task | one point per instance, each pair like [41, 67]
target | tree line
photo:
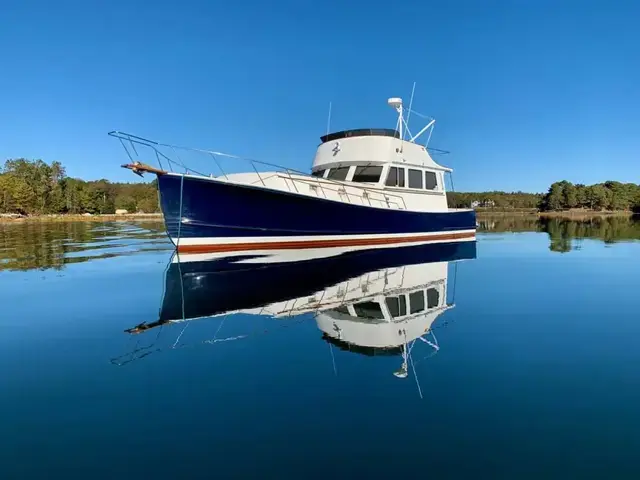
[609, 195]
[33, 187]
[495, 199]
[562, 195]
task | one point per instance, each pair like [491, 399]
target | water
[532, 373]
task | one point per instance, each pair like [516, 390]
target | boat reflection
[367, 301]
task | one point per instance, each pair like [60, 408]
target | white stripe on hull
[305, 238]
[274, 255]
[312, 247]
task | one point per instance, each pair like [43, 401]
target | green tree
[570, 195]
[581, 196]
[636, 203]
[599, 197]
[554, 200]
[126, 202]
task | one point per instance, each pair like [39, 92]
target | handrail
[367, 191]
[137, 140]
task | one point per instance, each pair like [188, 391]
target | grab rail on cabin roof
[134, 140]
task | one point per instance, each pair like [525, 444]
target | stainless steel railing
[133, 143]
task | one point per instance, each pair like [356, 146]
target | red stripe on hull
[295, 244]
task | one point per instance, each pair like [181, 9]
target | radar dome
[395, 102]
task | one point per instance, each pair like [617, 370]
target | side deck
[371, 194]
[320, 188]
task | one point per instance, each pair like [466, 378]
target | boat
[367, 187]
[372, 302]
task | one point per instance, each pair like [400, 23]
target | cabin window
[433, 297]
[318, 173]
[368, 310]
[342, 309]
[416, 299]
[415, 178]
[367, 174]
[395, 177]
[397, 306]
[339, 173]
[430, 181]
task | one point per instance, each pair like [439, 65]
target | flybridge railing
[174, 158]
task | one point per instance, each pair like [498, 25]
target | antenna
[396, 103]
[411, 103]
[329, 119]
[429, 125]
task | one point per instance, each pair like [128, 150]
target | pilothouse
[383, 161]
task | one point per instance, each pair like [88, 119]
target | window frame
[435, 179]
[433, 296]
[418, 294]
[402, 305]
[420, 176]
[347, 168]
[362, 307]
[401, 180]
[364, 167]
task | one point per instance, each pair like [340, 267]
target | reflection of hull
[223, 216]
[206, 288]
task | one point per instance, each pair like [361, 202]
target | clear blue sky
[524, 92]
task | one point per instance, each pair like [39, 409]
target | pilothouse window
[339, 173]
[395, 177]
[342, 309]
[397, 306]
[415, 178]
[368, 310]
[430, 181]
[318, 173]
[433, 297]
[416, 300]
[367, 174]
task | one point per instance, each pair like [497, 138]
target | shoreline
[567, 214]
[158, 217]
[141, 217]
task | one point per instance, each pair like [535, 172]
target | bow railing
[179, 159]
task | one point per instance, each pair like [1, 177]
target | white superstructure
[370, 167]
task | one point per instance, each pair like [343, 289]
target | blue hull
[216, 209]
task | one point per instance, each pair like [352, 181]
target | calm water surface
[517, 357]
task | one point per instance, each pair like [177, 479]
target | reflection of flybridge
[399, 308]
[382, 310]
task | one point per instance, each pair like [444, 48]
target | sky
[524, 93]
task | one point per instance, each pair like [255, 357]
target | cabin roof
[361, 132]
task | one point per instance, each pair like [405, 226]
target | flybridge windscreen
[361, 132]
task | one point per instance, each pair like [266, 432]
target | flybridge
[400, 132]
